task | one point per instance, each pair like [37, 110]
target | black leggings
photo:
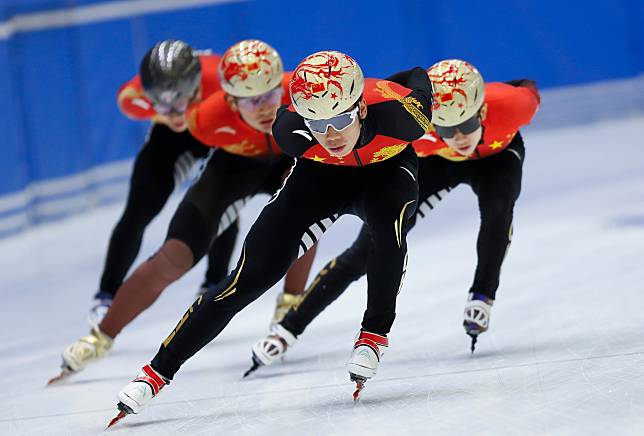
[383, 195]
[213, 203]
[496, 181]
[164, 161]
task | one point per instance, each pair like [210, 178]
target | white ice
[564, 355]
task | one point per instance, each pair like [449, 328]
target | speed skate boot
[272, 347]
[138, 393]
[102, 303]
[476, 316]
[82, 352]
[365, 358]
[284, 303]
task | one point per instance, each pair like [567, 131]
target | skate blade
[474, 339]
[64, 373]
[57, 378]
[253, 368]
[359, 388]
[360, 382]
[122, 414]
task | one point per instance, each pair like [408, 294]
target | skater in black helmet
[161, 93]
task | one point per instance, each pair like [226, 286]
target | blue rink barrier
[67, 148]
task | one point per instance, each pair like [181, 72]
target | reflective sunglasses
[338, 122]
[466, 127]
[270, 98]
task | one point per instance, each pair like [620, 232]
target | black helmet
[170, 74]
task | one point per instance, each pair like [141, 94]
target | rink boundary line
[112, 10]
[440, 374]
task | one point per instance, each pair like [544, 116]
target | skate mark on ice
[518, 365]
[592, 384]
[138, 425]
[540, 382]
[342, 385]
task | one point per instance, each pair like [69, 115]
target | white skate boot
[285, 302]
[86, 350]
[272, 347]
[82, 352]
[476, 316]
[365, 358]
[138, 393]
[102, 303]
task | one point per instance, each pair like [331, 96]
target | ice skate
[138, 393]
[365, 358]
[271, 348]
[82, 352]
[476, 316]
[284, 303]
[102, 303]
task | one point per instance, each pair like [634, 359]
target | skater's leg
[435, 182]
[329, 284]
[388, 205]
[272, 244]
[498, 185]
[294, 285]
[152, 182]
[298, 274]
[191, 230]
[220, 253]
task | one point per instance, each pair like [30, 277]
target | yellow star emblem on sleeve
[496, 144]
[318, 158]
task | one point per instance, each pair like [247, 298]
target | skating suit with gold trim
[508, 109]
[214, 123]
[378, 141]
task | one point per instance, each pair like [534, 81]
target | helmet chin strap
[481, 141]
[363, 137]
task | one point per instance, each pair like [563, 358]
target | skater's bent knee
[174, 258]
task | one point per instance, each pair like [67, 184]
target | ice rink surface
[564, 355]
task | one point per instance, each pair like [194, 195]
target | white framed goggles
[338, 122]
